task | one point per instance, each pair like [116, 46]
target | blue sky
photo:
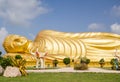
[28, 17]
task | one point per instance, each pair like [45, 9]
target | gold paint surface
[93, 45]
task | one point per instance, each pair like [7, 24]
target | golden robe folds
[93, 45]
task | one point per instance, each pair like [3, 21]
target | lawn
[65, 77]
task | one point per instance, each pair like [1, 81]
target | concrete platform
[70, 69]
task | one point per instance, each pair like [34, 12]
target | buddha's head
[15, 43]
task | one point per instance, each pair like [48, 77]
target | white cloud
[116, 11]
[3, 34]
[96, 27]
[115, 28]
[20, 12]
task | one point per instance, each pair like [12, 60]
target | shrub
[112, 61]
[0, 53]
[6, 62]
[1, 59]
[85, 60]
[66, 61]
[55, 62]
[102, 62]
[115, 64]
[18, 57]
[82, 66]
[16, 61]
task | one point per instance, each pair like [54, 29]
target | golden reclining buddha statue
[93, 45]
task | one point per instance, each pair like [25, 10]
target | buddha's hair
[7, 42]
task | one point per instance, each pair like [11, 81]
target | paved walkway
[70, 69]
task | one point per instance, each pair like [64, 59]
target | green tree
[66, 61]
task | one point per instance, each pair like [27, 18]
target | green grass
[65, 77]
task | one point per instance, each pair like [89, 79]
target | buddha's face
[15, 43]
